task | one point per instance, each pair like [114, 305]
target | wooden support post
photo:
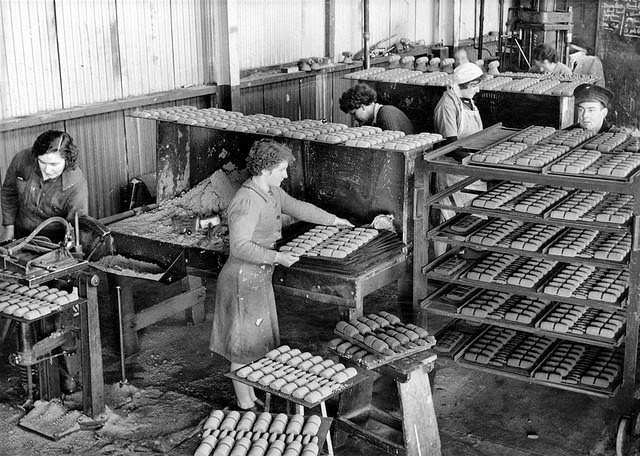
[419, 426]
[226, 52]
[417, 422]
[91, 348]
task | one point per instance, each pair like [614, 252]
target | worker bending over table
[545, 60]
[360, 101]
[43, 182]
[245, 322]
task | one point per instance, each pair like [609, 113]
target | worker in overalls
[245, 322]
[43, 182]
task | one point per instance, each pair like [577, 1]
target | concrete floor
[178, 382]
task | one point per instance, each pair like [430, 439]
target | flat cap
[591, 92]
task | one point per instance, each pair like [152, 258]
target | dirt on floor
[174, 382]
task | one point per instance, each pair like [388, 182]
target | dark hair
[358, 95]
[267, 154]
[56, 141]
[544, 52]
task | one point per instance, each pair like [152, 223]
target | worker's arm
[10, 196]
[302, 210]
[244, 215]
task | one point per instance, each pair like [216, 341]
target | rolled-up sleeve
[244, 214]
[304, 211]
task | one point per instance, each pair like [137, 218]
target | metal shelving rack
[428, 286]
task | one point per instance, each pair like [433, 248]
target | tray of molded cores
[26, 305]
[620, 166]
[379, 339]
[589, 283]
[525, 150]
[233, 432]
[452, 338]
[507, 350]
[451, 297]
[460, 226]
[515, 234]
[329, 248]
[592, 324]
[591, 244]
[589, 367]
[297, 376]
[524, 198]
[601, 209]
[510, 269]
[449, 265]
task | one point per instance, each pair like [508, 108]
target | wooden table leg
[323, 410]
[419, 426]
[267, 401]
[196, 312]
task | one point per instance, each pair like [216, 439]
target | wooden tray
[610, 390]
[346, 385]
[506, 368]
[384, 358]
[469, 333]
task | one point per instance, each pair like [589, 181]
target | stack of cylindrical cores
[298, 374]
[384, 334]
[266, 434]
[31, 303]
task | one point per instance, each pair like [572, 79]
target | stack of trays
[508, 349]
[233, 433]
[20, 301]
[582, 320]
[378, 339]
[295, 375]
[582, 365]
[588, 243]
[593, 206]
[329, 241]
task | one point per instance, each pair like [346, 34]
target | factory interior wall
[57, 55]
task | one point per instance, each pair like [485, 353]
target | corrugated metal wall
[58, 54]
[278, 31]
[66, 53]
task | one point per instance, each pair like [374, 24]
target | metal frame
[624, 400]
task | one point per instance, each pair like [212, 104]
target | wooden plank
[105, 107]
[420, 429]
[283, 99]
[184, 301]
[314, 296]
[91, 349]
[310, 90]
[251, 100]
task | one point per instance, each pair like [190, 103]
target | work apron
[470, 123]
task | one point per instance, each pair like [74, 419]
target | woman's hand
[286, 258]
[342, 222]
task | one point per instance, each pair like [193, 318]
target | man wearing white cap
[456, 115]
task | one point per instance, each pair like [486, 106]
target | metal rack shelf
[428, 284]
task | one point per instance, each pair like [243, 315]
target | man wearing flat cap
[592, 106]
